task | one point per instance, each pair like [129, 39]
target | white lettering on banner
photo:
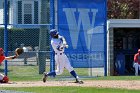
[83, 21]
[85, 57]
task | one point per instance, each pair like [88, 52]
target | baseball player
[136, 64]
[2, 57]
[3, 78]
[18, 51]
[59, 44]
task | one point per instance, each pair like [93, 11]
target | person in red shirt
[4, 78]
[137, 62]
[2, 57]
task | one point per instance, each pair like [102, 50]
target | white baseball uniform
[59, 44]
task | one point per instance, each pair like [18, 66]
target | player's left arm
[18, 52]
[64, 43]
[11, 57]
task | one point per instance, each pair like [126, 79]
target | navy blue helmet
[53, 32]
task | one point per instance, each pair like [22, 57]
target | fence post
[5, 35]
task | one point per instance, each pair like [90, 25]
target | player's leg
[136, 66]
[45, 75]
[74, 74]
[58, 71]
[53, 73]
[60, 67]
[71, 70]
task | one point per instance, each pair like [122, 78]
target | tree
[123, 9]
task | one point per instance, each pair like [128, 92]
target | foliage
[123, 9]
[12, 29]
[18, 36]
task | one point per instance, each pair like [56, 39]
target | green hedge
[16, 37]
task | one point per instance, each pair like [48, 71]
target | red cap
[1, 52]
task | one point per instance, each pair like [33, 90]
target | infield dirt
[123, 84]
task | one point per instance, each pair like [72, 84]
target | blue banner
[82, 23]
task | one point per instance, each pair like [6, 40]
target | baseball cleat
[79, 81]
[44, 77]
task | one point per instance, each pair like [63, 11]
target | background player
[59, 44]
[137, 62]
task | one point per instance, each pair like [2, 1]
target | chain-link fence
[28, 28]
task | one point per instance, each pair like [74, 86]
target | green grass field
[30, 73]
[70, 90]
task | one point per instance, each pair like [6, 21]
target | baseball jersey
[1, 59]
[137, 58]
[58, 44]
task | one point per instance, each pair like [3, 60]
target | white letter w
[78, 19]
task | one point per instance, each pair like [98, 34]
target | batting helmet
[1, 52]
[5, 79]
[53, 32]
